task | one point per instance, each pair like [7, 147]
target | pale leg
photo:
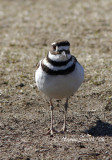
[51, 108]
[65, 114]
[51, 130]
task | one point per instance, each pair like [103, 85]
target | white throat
[59, 57]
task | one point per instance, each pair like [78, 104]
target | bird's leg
[51, 130]
[51, 107]
[65, 114]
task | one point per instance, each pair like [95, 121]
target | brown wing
[37, 65]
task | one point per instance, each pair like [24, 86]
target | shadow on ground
[100, 129]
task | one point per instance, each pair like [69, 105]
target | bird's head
[61, 47]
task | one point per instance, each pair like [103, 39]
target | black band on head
[60, 51]
[63, 43]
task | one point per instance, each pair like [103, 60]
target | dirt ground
[27, 27]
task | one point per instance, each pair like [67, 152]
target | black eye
[54, 47]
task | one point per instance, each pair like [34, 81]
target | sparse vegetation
[26, 30]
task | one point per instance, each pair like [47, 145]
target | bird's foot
[51, 131]
[64, 129]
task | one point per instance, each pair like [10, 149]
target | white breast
[59, 86]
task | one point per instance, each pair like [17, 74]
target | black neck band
[55, 63]
[59, 72]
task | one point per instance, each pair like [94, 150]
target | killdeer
[59, 75]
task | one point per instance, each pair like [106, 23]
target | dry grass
[26, 30]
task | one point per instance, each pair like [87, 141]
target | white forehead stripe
[53, 43]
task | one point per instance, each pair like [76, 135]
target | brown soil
[27, 27]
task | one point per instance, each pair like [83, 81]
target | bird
[59, 75]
